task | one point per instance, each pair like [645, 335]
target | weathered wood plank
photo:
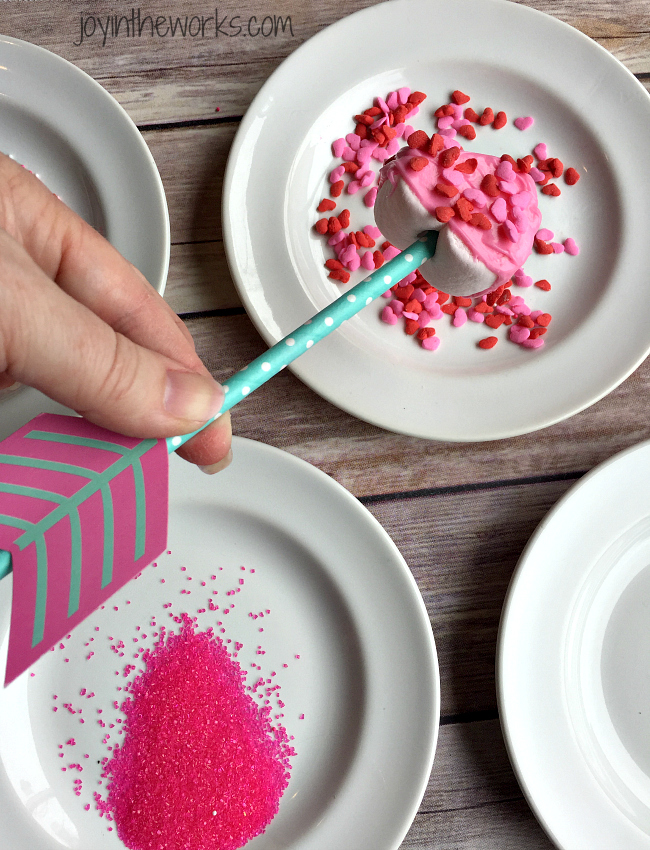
[165, 79]
[473, 801]
[496, 826]
[199, 278]
[191, 162]
[367, 460]
[480, 805]
[462, 549]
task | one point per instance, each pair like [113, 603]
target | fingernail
[191, 396]
[210, 469]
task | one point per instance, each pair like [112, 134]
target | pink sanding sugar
[200, 765]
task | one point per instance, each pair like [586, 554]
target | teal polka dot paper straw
[242, 383]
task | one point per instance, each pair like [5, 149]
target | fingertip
[212, 447]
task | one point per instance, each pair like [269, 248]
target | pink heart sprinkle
[353, 140]
[545, 234]
[338, 146]
[570, 247]
[367, 261]
[505, 170]
[499, 209]
[523, 122]
[518, 333]
[431, 343]
[511, 231]
[540, 151]
[388, 316]
[476, 197]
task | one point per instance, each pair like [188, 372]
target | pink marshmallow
[521, 199]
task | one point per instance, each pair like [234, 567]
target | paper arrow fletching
[82, 510]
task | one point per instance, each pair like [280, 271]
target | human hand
[82, 325]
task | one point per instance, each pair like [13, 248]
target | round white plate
[589, 110]
[574, 661]
[62, 125]
[338, 595]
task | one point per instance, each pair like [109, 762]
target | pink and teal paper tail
[82, 510]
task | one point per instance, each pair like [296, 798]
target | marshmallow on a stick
[485, 210]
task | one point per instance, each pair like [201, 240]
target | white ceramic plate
[340, 596]
[574, 662]
[512, 58]
[62, 125]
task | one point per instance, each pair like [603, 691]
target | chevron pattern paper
[82, 511]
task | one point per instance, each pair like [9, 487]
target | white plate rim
[370, 773]
[126, 139]
[357, 400]
[598, 813]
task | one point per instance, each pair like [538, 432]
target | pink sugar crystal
[200, 765]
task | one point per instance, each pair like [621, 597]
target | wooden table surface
[460, 514]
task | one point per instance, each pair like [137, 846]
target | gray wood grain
[473, 801]
[367, 460]
[460, 514]
[168, 79]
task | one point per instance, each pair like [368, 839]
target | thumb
[57, 345]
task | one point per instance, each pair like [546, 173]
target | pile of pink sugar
[201, 767]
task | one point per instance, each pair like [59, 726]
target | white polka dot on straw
[176, 441]
[329, 321]
[388, 278]
[310, 342]
[408, 258]
[290, 341]
[245, 390]
[352, 298]
[266, 367]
